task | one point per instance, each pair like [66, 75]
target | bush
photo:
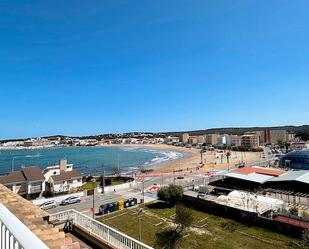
[171, 194]
[293, 210]
[108, 182]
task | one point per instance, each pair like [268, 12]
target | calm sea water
[86, 159]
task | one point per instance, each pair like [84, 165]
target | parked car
[70, 200]
[48, 205]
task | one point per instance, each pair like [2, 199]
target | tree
[228, 154]
[305, 238]
[293, 210]
[169, 238]
[287, 146]
[280, 143]
[117, 170]
[183, 219]
[171, 194]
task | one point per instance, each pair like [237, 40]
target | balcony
[14, 234]
[35, 189]
[108, 236]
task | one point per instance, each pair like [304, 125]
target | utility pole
[174, 175]
[161, 178]
[93, 181]
[12, 166]
[139, 224]
[143, 189]
[103, 179]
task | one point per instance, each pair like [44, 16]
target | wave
[164, 156]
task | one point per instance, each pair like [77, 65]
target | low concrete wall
[58, 199]
[118, 187]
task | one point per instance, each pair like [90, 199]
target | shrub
[171, 194]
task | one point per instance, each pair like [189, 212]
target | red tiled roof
[13, 177]
[265, 171]
[32, 173]
[287, 220]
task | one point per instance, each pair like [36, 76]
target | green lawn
[89, 185]
[208, 231]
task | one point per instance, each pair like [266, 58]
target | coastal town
[154, 124]
[263, 173]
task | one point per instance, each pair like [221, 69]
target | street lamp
[139, 223]
[103, 178]
[15, 157]
[93, 181]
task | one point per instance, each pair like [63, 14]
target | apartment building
[250, 141]
[211, 139]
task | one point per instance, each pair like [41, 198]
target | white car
[71, 200]
[48, 205]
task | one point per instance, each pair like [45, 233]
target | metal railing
[109, 235]
[35, 189]
[14, 234]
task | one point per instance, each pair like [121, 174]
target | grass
[89, 185]
[208, 231]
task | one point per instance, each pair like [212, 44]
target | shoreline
[190, 155]
[213, 160]
[191, 159]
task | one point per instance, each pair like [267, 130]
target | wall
[241, 216]
[65, 186]
[58, 199]
[118, 187]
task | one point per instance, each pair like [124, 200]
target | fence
[14, 234]
[109, 235]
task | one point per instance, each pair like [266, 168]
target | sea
[88, 160]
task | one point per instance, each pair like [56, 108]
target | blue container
[103, 209]
[111, 207]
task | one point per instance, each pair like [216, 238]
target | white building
[201, 140]
[223, 140]
[299, 146]
[235, 140]
[62, 178]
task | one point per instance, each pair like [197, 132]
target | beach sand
[211, 159]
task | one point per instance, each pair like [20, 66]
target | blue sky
[90, 67]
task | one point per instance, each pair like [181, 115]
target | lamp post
[103, 179]
[139, 224]
[93, 181]
[14, 157]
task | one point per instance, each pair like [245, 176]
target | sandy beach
[211, 159]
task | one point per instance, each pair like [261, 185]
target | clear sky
[90, 67]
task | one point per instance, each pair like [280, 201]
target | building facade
[62, 178]
[211, 139]
[250, 141]
[184, 138]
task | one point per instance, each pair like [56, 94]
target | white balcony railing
[14, 234]
[109, 235]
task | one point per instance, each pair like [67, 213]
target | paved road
[86, 201]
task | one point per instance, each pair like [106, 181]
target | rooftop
[13, 177]
[35, 219]
[300, 176]
[265, 171]
[66, 175]
[32, 173]
[297, 153]
[253, 177]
